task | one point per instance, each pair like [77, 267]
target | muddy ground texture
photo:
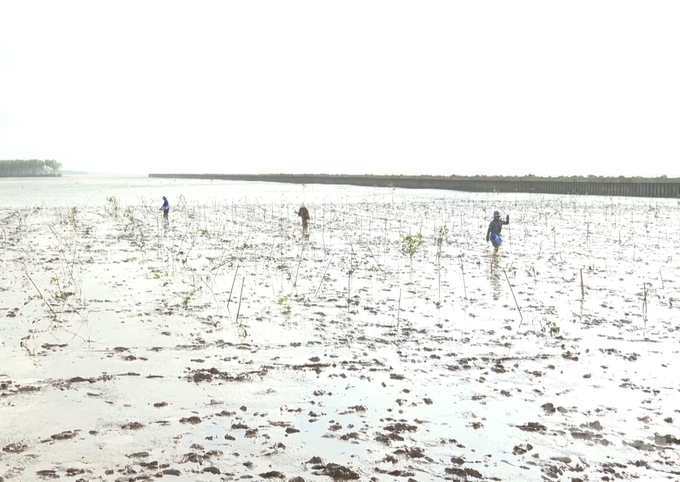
[227, 346]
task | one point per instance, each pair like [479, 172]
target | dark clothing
[165, 208]
[495, 228]
[303, 212]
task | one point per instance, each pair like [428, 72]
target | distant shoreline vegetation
[30, 168]
[662, 187]
[528, 177]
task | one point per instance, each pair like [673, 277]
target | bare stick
[462, 271]
[376, 261]
[644, 306]
[238, 310]
[54, 315]
[322, 278]
[398, 309]
[521, 318]
[349, 274]
[349, 286]
[583, 292]
[232, 285]
[237, 266]
[302, 250]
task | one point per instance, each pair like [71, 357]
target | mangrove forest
[30, 168]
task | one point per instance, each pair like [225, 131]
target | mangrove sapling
[410, 244]
[462, 273]
[68, 283]
[284, 301]
[441, 237]
[238, 264]
[350, 272]
[550, 327]
[112, 206]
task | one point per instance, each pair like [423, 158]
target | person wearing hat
[493, 234]
[165, 208]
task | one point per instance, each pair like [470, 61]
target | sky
[343, 87]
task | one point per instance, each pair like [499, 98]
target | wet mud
[228, 346]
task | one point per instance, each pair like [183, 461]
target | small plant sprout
[550, 327]
[72, 217]
[441, 237]
[112, 206]
[187, 299]
[410, 244]
[284, 301]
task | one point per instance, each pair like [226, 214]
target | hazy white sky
[361, 87]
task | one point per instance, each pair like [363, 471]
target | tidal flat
[225, 345]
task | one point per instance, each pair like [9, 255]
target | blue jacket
[166, 206]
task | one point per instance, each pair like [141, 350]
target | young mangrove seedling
[410, 244]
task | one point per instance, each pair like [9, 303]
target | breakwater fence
[634, 187]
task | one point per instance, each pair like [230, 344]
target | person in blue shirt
[493, 234]
[165, 208]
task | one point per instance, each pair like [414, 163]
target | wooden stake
[521, 318]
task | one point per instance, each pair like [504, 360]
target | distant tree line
[30, 168]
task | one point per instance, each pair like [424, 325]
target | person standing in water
[493, 234]
[165, 208]
[303, 212]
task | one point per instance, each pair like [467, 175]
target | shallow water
[338, 337]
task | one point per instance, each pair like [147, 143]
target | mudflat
[390, 344]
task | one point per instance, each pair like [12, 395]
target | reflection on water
[95, 190]
[495, 273]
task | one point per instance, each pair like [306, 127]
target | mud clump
[138, 455]
[666, 440]
[210, 374]
[68, 434]
[411, 452]
[272, 475]
[132, 426]
[532, 427]
[401, 427]
[522, 449]
[465, 473]
[336, 472]
[15, 448]
[387, 439]
[193, 420]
